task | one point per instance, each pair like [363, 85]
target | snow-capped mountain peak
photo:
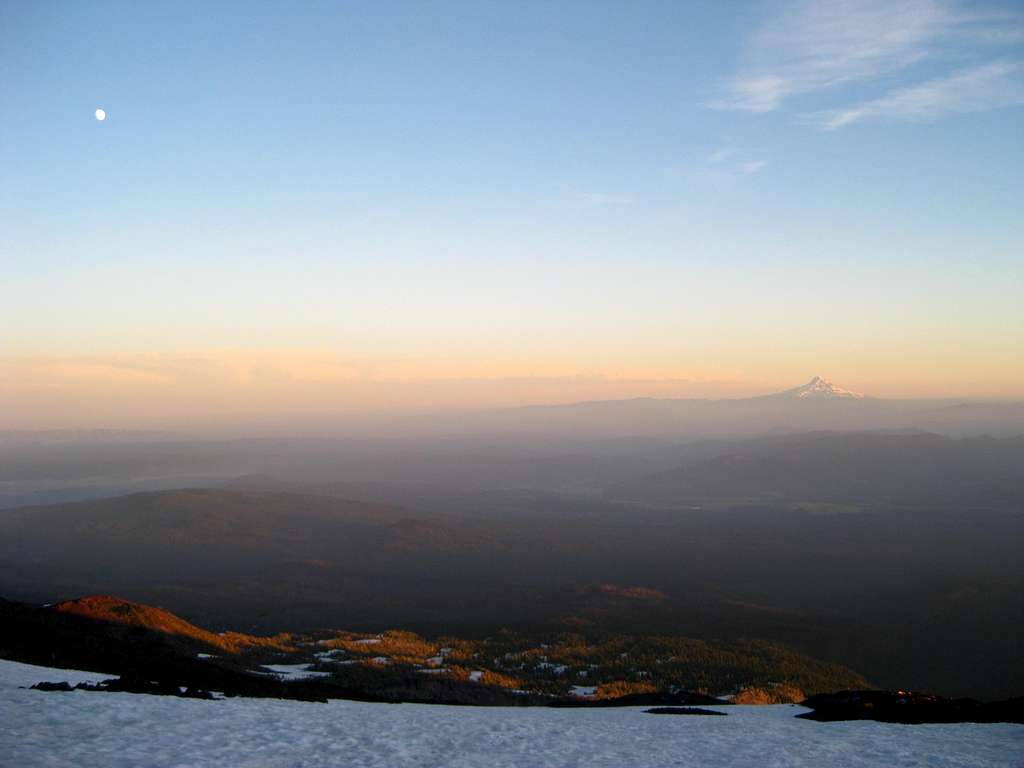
[819, 388]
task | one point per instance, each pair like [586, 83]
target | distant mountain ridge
[816, 405]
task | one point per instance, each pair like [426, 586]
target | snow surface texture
[117, 730]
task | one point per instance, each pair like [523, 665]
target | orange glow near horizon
[233, 386]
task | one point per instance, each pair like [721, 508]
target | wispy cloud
[812, 47]
[721, 155]
[728, 161]
[999, 84]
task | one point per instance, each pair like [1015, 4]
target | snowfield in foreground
[120, 729]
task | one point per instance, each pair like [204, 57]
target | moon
[101, 115]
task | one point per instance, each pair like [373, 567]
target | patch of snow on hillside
[294, 671]
[329, 655]
[119, 730]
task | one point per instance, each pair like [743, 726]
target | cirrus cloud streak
[813, 48]
[979, 89]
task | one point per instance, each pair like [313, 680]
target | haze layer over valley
[859, 547]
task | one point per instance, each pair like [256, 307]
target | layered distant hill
[912, 469]
[584, 447]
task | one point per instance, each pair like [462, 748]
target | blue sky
[744, 192]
